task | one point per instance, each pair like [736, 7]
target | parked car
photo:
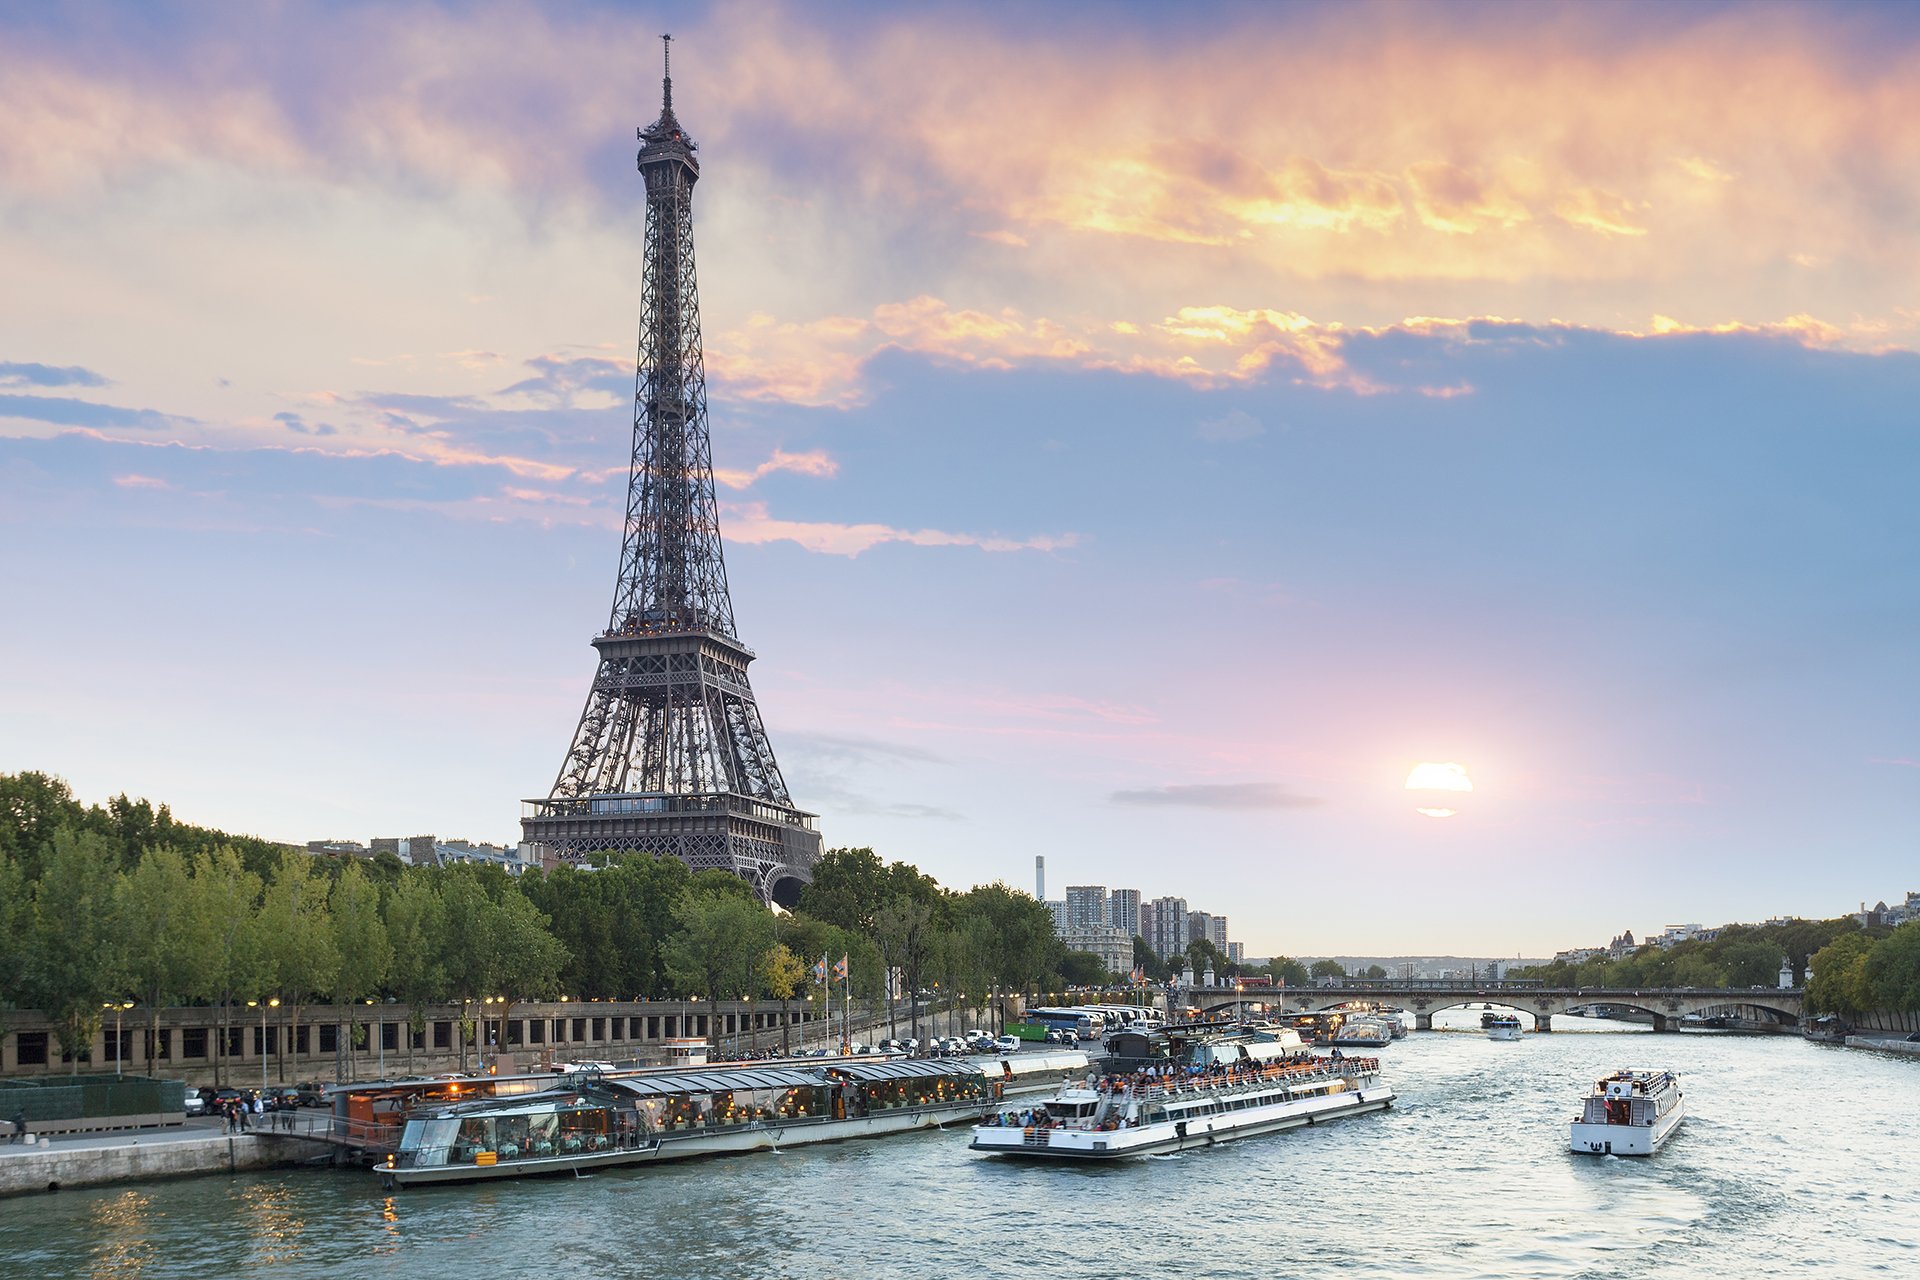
[1060, 1035]
[1007, 1044]
[282, 1098]
[195, 1104]
[311, 1093]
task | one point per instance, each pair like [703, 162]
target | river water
[1794, 1158]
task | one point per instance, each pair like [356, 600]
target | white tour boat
[1223, 1087]
[1629, 1113]
[644, 1117]
[1503, 1026]
[1363, 1031]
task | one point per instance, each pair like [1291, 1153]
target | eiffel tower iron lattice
[670, 755]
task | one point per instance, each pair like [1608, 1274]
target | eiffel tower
[670, 756]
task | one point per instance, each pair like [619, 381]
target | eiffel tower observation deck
[670, 756]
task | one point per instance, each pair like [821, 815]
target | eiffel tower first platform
[670, 756]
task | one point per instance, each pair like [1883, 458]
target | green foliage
[1288, 972]
[1892, 969]
[73, 957]
[1373, 973]
[849, 888]
[1327, 969]
[1148, 961]
[1839, 983]
[1082, 969]
[717, 941]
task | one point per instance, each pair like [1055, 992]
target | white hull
[681, 1146]
[1170, 1135]
[1627, 1139]
[1631, 1113]
[1503, 1033]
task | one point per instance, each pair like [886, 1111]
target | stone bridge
[1425, 997]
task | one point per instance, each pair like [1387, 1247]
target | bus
[1085, 1024]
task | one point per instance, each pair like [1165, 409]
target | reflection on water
[274, 1215]
[122, 1245]
[1794, 1157]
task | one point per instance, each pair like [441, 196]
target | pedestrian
[19, 1126]
[241, 1110]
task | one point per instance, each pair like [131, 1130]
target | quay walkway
[54, 1162]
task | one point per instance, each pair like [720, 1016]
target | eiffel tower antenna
[670, 755]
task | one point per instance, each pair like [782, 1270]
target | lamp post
[263, 1006]
[119, 1008]
[383, 1046]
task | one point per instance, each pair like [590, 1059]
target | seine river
[1793, 1158]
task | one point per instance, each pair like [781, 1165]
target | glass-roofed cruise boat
[595, 1118]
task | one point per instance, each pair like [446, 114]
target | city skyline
[1148, 447]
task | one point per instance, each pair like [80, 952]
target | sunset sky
[1144, 435]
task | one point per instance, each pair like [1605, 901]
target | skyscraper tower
[670, 755]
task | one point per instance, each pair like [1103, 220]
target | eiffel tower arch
[670, 756]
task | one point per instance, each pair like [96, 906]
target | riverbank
[196, 1149]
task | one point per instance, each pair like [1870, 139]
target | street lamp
[263, 1006]
[383, 1038]
[119, 1008]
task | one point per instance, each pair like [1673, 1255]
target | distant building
[1237, 952]
[1086, 906]
[338, 849]
[1201, 924]
[1113, 946]
[1163, 923]
[1059, 910]
[1123, 910]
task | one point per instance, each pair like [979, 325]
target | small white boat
[1629, 1113]
[1503, 1026]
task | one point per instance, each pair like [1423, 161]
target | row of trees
[1737, 956]
[101, 903]
[1858, 973]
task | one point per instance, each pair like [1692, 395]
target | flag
[840, 970]
[820, 970]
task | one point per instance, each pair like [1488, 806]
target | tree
[1892, 970]
[163, 936]
[72, 963]
[1288, 972]
[902, 930]
[299, 957]
[718, 940]
[1327, 969]
[32, 807]
[16, 913]
[1374, 973]
[781, 974]
[225, 897]
[359, 939]
[1839, 983]
[1082, 969]
[849, 888]
[414, 974]
[466, 951]
[527, 959]
[1202, 955]
[1148, 961]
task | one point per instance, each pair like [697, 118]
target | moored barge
[594, 1119]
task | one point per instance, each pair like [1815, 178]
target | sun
[1428, 776]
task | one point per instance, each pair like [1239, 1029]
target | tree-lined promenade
[103, 906]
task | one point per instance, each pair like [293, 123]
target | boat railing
[1239, 1081]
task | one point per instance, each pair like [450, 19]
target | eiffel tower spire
[670, 755]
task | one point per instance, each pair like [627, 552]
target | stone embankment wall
[42, 1168]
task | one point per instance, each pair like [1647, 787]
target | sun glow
[1439, 777]
[1429, 777]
